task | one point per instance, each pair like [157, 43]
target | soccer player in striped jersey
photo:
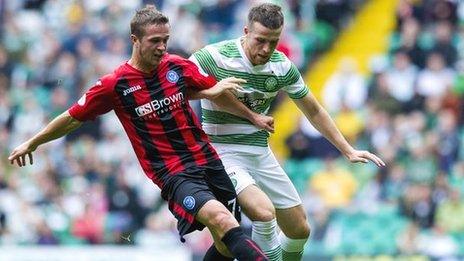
[265, 192]
[148, 94]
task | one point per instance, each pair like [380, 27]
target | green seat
[300, 172]
[324, 33]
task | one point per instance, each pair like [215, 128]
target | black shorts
[186, 193]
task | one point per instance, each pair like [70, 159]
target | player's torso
[263, 82]
[158, 99]
[154, 111]
[227, 59]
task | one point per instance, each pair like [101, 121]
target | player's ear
[246, 30]
[134, 38]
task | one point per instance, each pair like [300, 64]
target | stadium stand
[87, 189]
[412, 117]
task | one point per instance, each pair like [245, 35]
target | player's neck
[243, 42]
[141, 66]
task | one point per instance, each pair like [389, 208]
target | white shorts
[261, 168]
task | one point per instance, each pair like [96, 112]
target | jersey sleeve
[96, 101]
[197, 77]
[294, 83]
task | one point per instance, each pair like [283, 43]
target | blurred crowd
[409, 111]
[88, 188]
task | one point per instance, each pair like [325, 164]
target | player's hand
[230, 83]
[264, 122]
[19, 154]
[364, 157]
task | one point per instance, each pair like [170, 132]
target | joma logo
[131, 89]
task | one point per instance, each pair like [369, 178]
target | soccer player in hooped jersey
[265, 192]
[148, 95]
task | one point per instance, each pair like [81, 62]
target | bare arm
[58, 127]
[230, 83]
[193, 94]
[322, 121]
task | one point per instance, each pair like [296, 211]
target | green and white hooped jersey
[226, 59]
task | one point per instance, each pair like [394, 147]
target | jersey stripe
[143, 140]
[180, 212]
[255, 139]
[207, 62]
[299, 94]
[226, 129]
[198, 138]
[172, 134]
[221, 117]
[173, 160]
[229, 49]
[179, 119]
[228, 59]
[277, 57]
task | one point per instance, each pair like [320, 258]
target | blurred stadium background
[390, 72]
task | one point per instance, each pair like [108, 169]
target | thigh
[217, 218]
[255, 204]
[273, 180]
[185, 198]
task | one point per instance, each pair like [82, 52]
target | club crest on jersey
[189, 202]
[172, 76]
[270, 83]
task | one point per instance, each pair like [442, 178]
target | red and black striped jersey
[152, 107]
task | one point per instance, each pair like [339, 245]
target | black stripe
[207, 151]
[129, 103]
[170, 127]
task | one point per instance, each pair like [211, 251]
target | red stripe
[255, 247]
[180, 211]
[204, 137]
[186, 130]
[136, 142]
[155, 128]
[181, 120]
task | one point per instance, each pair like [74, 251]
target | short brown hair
[146, 16]
[267, 14]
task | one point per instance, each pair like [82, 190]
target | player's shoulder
[108, 80]
[280, 63]
[225, 48]
[174, 57]
[222, 44]
[177, 59]
[279, 57]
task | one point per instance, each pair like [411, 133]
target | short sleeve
[294, 83]
[96, 101]
[196, 77]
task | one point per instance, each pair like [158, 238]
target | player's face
[260, 42]
[153, 44]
